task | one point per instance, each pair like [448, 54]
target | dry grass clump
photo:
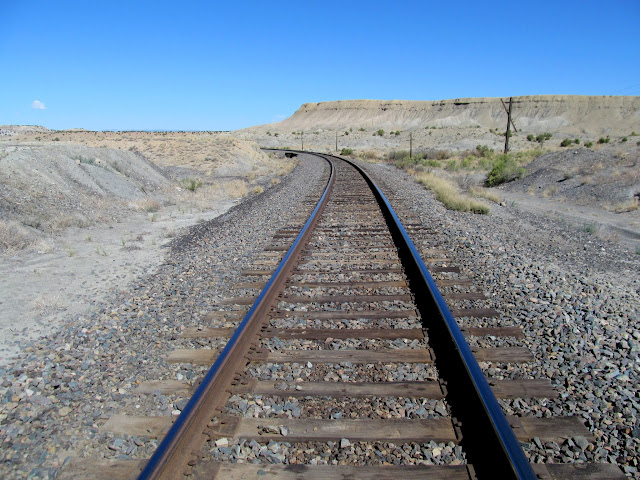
[43, 245]
[257, 190]
[549, 191]
[146, 204]
[236, 189]
[449, 194]
[287, 167]
[370, 156]
[622, 207]
[47, 304]
[205, 197]
[13, 236]
[275, 181]
[485, 193]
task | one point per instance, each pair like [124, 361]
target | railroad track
[344, 360]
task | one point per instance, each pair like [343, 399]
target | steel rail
[496, 452]
[183, 442]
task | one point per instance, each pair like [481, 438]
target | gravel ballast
[58, 393]
[575, 296]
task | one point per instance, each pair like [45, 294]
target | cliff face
[540, 113]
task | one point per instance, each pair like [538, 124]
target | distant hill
[21, 129]
[568, 114]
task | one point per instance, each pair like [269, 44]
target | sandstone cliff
[570, 114]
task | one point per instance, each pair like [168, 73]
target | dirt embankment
[83, 213]
[51, 180]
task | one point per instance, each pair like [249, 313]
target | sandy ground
[622, 228]
[39, 292]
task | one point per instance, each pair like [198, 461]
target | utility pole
[410, 144]
[509, 123]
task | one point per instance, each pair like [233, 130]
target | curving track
[361, 361]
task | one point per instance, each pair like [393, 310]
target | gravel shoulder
[58, 392]
[576, 295]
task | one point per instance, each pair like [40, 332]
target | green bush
[452, 165]
[505, 169]
[361, 129]
[604, 140]
[531, 137]
[380, 132]
[543, 137]
[483, 151]
[566, 143]
[346, 151]
[191, 184]
[577, 141]
[624, 139]
[588, 144]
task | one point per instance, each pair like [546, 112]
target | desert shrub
[531, 137]
[13, 236]
[449, 194]
[466, 162]
[577, 141]
[505, 169]
[621, 207]
[452, 165]
[236, 188]
[146, 204]
[624, 139]
[380, 132]
[361, 129]
[602, 140]
[346, 151]
[543, 137]
[191, 184]
[483, 151]
[85, 160]
[346, 132]
[566, 142]
[588, 144]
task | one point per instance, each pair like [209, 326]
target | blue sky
[194, 65]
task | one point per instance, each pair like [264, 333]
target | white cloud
[38, 105]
